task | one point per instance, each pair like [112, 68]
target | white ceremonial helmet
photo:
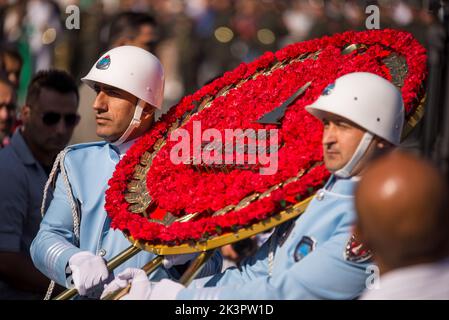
[135, 71]
[369, 101]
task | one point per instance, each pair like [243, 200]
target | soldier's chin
[107, 136]
[332, 166]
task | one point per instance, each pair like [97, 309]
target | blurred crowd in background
[196, 41]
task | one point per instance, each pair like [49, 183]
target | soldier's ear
[383, 144]
[148, 112]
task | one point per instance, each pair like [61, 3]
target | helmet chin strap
[135, 123]
[346, 171]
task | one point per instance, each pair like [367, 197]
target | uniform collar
[123, 148]
[21, 148]
[344, 186]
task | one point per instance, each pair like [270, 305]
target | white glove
[88, 271]
[141, 287]
[177, 259]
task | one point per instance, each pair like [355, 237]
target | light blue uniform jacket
[319, 236]
[89, 167]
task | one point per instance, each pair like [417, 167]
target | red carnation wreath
[154, 200]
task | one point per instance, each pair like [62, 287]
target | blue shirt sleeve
[54, 243]
[251, 268]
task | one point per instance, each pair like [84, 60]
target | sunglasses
[52, 118]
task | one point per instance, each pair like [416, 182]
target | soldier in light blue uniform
[315, 256]
[75, 238]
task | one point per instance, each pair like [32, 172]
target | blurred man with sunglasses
[48, 119]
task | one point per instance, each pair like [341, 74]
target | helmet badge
[104, 63]
[328, 90]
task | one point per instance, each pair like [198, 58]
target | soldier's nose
[100, 103]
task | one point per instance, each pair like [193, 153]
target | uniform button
[102, 253]
[320, 195]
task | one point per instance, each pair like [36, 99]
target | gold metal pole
[195, 267]
[111, 265]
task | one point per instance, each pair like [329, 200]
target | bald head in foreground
[403, 216]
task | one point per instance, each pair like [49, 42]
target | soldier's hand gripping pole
[111, 265]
